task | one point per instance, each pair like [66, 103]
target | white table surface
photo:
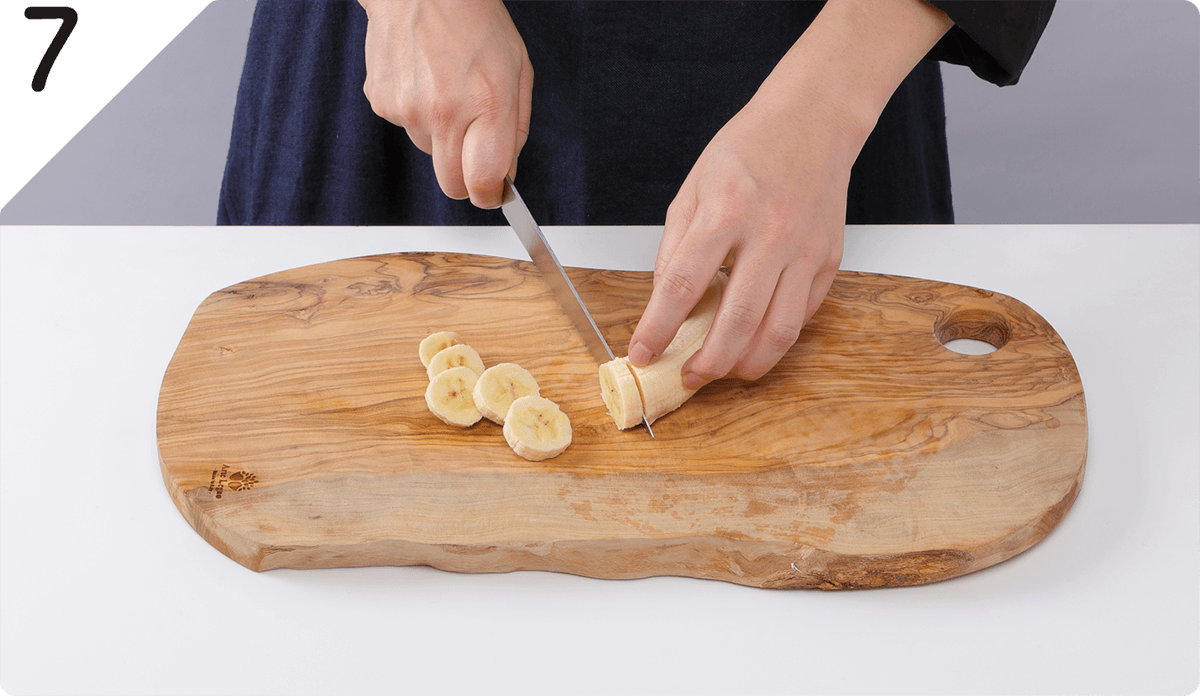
[105, 589]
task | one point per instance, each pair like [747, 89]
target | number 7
[69, 18]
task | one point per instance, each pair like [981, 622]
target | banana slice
[460, 355]
[536, 428]
[657, 389]
[499, 386]
[449, 396]
[437, 342]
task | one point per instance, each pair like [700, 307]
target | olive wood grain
[293, 432]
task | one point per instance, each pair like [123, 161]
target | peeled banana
[536, 429]
[499, 386]
[449, 396]
[631, 392]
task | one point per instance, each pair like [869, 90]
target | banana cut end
[621, 394]
[536, 429]
[633, 393]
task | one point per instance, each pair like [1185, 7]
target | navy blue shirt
[625, 98]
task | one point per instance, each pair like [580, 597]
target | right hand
[456, 76]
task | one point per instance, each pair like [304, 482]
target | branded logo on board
[242, 480]
[222, 480]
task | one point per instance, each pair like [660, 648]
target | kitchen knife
[522, 222]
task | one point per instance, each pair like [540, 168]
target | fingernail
[693, 381]
[640, 355]
[487, 198]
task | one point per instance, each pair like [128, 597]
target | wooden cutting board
[293, 432]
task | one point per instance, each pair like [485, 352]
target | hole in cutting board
[969, 346]
[973, 332]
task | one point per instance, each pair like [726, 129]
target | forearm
[852, 58]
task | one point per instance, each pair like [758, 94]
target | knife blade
[522, 222]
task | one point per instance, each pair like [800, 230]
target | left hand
[770, 187]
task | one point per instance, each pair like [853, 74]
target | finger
[752, 284]
[678, 220]
[421, 139]
[391, 111]
[488, 152]
[781, 325]
[677, 289]
[447, 163]
[820, 288]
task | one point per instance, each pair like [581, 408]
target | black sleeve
[994, 38]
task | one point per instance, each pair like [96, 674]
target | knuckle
[440, 114]
[484, 179]
[724, 216]
[676, 286]
[678, 214]
[369, 93]
[478, 179]
[381, 112]
[655, 338]
[776, 227]
[823, 251]
[733, 193]
[780, 338]
[490, 104]
[832, 260]
[740, 319]
[660, 270]
[711, 368]
[751, 373]
[405, 113]
[811, 248]
[390, 110]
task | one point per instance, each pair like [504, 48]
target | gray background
[1104, 127]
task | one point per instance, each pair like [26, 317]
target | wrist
[855, 54]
